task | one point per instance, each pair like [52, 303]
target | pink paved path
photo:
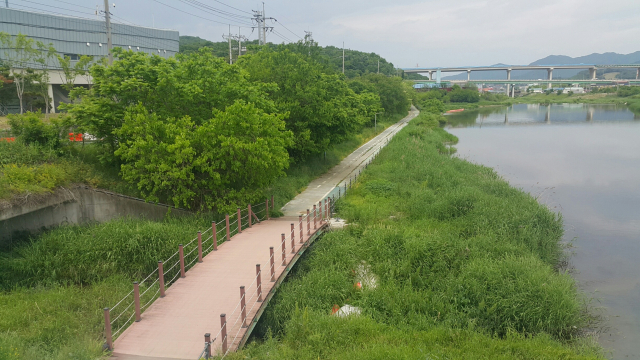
[173, 327]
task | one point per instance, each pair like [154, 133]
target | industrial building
[75, 37]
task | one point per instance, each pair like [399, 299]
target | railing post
[136, 299]
[259, 282]
[293, 238]
[266, 208]
[320, 209]
[273, 204]
[107, 329]
[272, 263]
[199, 246]
[314, 217]
[284, 252]
[181, 251]
[223, 332]
[243, 307]
[239, 221]
[329, 208]
[226, 217]
[207, 344]
[300, 225]
[345, 188]
[161, 278]
[326, 210]
[308, 223]
[250, 213]
[339, 193]
[215, 236]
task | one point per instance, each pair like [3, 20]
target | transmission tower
[308, 39]
[261, 24]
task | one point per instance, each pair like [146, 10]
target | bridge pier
[430, 75]
[508, 78]
[592, 73]
[550, 76]
[468, 75]
[638, 73]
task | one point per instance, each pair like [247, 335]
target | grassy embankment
[52, 288]
[466, 268]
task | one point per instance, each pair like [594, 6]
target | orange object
[8, 139]
[72, 137]
[335, 309]
[455, 111]
[358, 285]
[79, 136]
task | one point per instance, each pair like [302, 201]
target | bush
[31, 129]
[464, 95]
[626, 91]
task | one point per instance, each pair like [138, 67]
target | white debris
[365, 276]
[337, 223]
[348, 310]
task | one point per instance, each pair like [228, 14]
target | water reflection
[586, 166]
[540, 113]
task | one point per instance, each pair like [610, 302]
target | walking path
[173, 327]
[327, 184]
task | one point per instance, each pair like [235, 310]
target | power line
[200, 5]
[220, 2]
[281, 24]
[55, 7]
[188, 13]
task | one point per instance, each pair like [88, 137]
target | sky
[408, 33]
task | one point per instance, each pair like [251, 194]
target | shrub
[31, 129]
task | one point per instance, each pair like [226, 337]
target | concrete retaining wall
[77, 205]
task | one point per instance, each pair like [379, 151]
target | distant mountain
[599, 59]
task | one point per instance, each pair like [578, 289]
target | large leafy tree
[219, 162]
[394, 97]
[322, 109]
[191, 85]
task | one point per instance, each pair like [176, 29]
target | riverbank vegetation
[463, 266]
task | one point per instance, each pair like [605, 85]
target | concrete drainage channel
[77, 205]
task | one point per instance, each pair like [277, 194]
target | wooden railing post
[284, 252]
[320, 209]
[199, 246]
[293, 238]
[259, 282]
[207, 345]
[329, 207]
[161, 278]
[308, 223]
[243, 307]
[239, 221]
[136, 300]
[215, 236]
[181, 251]
[107, 329]
[250, 213]
[301, 232]
[314, 217]
[223, 332]
[226, 217]
[272, 264]
[326, 210]
[266, 208]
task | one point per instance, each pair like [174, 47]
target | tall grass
[466, 268]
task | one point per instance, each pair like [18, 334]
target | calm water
[584, 162]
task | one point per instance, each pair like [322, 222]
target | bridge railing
[319, 214]
[130, 308]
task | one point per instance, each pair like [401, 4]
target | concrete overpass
[509, 68]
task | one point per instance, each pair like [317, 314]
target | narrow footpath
[328, 183]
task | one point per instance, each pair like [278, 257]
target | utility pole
[264, 28]
[308, 37]
[107, 18]
[260, 20]
[7, 3]
[237, 38]
[342, 56]
[228, 37]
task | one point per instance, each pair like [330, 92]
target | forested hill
[356, 62]
[595, 58]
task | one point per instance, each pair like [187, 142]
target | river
[584, 162]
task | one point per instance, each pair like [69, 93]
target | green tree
[220, 162]
[322, 109]
[71, 72]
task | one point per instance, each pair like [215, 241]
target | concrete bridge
[509, 68]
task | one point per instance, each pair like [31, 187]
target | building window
[75, 57]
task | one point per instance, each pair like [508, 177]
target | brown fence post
[300, 225]
[215, 236]
[181, 251]
[272, 263]
[107, 329]
[161, 278]
[329, 207]
[314, 217]
[266, 208]
[284, 252]
[326, 211]
[243, 307]
[308, 223]
[250, 213]
[293, 238]
[136, 299]
[223, 332]
[320, 209]
[199, 246]
[226, 218]
[207, 344]
[259, 282]
[239, 221]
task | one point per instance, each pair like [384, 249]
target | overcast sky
[405, 32]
